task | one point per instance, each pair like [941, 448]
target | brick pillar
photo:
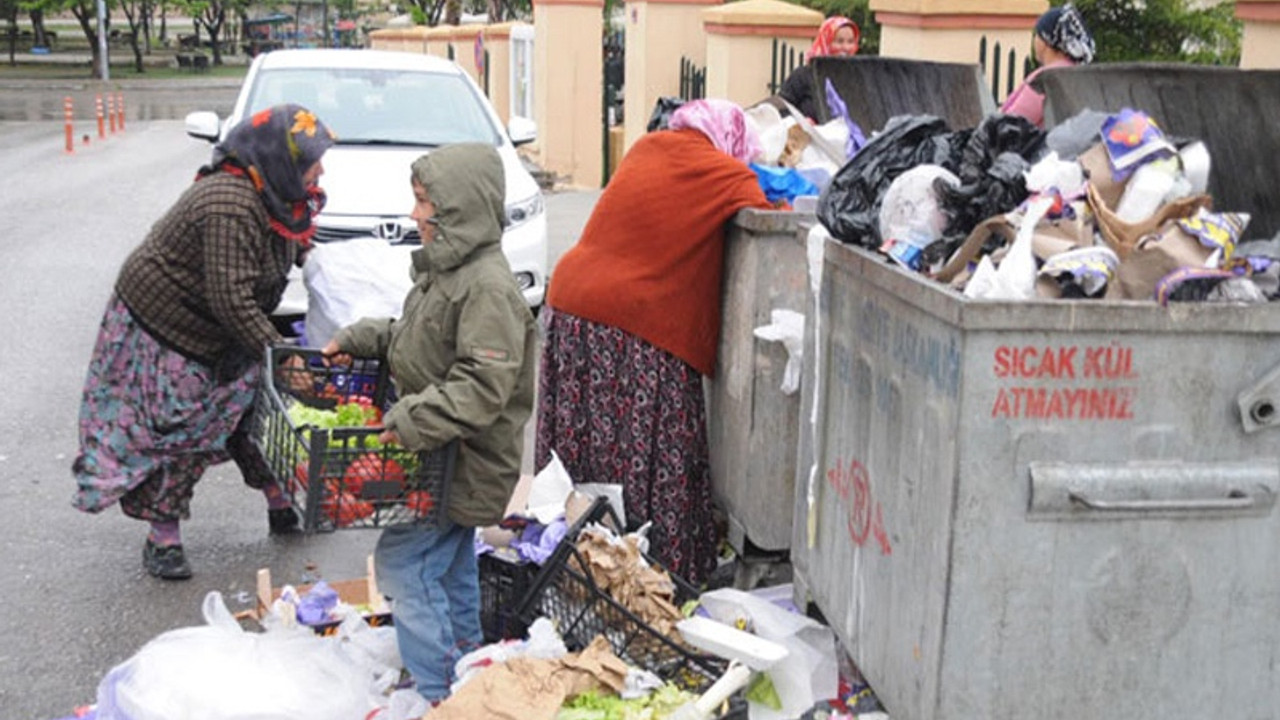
[659, 33]
[1260, 46]
[437, 40]
[568, 85]
[951, 30]
[740, 39]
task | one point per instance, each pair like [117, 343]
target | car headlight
[521, 212]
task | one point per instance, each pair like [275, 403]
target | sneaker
[283, 521]
[167, 562]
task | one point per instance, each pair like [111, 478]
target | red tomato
[420, 502]
[342, 507]
[299, 480]
[371, 467]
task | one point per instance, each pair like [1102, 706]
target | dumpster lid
[878, 88]
[1188, 101]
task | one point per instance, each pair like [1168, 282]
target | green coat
[462, 354]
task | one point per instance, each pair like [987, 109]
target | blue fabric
[429, 572]
[782, 183]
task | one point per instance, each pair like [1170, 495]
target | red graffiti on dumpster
[865, 518]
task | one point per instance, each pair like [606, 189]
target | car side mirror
[203, 125]
[521, 130]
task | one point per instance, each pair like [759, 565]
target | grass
[121, 69]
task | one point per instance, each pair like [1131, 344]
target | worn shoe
[167, 562]
[283, 521]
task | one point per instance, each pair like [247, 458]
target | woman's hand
[388, 437]
[333, 355]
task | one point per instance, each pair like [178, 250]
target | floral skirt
[151, 421]
[616, 409]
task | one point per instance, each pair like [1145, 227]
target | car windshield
[365, 106]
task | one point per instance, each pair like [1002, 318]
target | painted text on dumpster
[1065, 382]
[865, 518]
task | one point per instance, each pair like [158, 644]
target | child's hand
[333, 354]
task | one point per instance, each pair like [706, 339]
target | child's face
[424, 213]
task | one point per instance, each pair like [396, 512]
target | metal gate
[614, 49]
[1004, 71]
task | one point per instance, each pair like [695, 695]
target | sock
[165, 533]
[276, 499]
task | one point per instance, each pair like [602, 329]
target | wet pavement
[169, 99]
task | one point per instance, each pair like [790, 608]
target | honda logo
[390, 230]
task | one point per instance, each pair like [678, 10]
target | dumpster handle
[1235, 500]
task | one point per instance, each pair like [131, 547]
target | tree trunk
[87, 18]
[137, 51]
[38, 34]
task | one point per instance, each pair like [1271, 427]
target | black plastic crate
[504, 583]
[339, 478]
[582, 610]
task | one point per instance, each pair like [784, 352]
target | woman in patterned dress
[632, 325]
[177, 361]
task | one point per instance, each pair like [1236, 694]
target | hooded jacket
[462, 353]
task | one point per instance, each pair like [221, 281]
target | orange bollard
[102, 128]
[120, 109]
[111, 113]
[66, 112]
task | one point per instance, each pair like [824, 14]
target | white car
[387, 109]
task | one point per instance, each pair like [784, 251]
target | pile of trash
[1105, 206]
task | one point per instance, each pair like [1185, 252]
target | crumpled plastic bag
[808, 674]
[1015, 279]
[550, 488]
[357, 278]
[786, 327]
[782, 183]
[219, 672]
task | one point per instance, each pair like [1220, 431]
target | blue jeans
[430, 574]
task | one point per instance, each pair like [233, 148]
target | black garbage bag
[992, 168]
[661, 115]
[850, 206]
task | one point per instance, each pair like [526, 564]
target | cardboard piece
[359, 592]
[1122, 237]
[526, 688]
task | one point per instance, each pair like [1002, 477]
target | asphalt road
[74, 600]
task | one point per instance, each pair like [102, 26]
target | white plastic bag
[549, 490]
[786, 327]
[809, 672]
[219, 672]
[357, 278]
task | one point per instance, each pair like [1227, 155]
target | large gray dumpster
[1045, 509]
[753, 425]
[877, 88]
[1234, 111]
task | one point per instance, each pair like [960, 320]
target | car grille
[334, 234]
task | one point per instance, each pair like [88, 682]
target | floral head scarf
[821, 46]
[1063, 29]
[274, 148]
[723, 123]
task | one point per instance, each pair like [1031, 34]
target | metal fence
[693, 80]
[785, 59]
[1005, 71]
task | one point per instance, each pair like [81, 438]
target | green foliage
[858, 11]
[1163, 31]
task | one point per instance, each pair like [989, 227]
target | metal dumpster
[1045, 509]
[1233, 111]
[752, 425]
[878, 88]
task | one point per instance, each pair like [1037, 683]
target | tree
[9, 11]
[212, 16]
[1163, 31]
[136, 13]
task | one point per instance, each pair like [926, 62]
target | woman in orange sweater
[632, 325]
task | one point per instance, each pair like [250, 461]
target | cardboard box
[358, 592]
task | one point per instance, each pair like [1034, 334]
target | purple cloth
[838, 109]
[314, 607]
[537, 542]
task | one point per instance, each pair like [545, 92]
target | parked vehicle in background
[387, 109]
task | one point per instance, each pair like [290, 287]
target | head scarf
[1063, 29]
[821, 46]
[274, 148]
[724, 123]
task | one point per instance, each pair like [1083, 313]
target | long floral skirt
[151, 422]
[618, 410]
